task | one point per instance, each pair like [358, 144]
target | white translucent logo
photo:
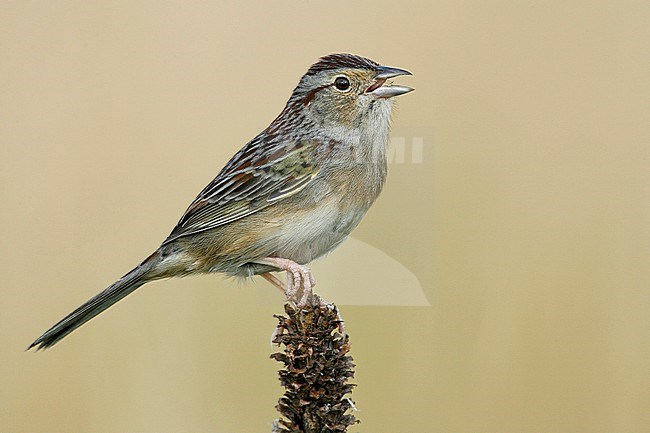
[357, 273]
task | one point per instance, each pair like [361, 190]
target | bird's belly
[307, 235]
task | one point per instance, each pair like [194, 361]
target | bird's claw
[300, 280]
[300, 284]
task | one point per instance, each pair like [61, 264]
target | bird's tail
[121, 288]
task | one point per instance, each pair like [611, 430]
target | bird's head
[345, 90]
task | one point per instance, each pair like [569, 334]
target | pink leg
[300, 280]
[275, 281]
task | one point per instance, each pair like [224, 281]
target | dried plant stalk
[316, 370]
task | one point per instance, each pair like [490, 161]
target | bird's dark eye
[342, 83]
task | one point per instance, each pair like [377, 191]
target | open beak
[379, 90]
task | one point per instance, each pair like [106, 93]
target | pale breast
[310, 233]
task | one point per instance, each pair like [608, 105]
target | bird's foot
[300, 280]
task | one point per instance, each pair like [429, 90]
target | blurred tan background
[526, 223]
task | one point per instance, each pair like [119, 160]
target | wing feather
[258, 176]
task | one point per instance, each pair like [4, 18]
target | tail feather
[112, 294]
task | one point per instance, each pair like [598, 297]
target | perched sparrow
[290, 195]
